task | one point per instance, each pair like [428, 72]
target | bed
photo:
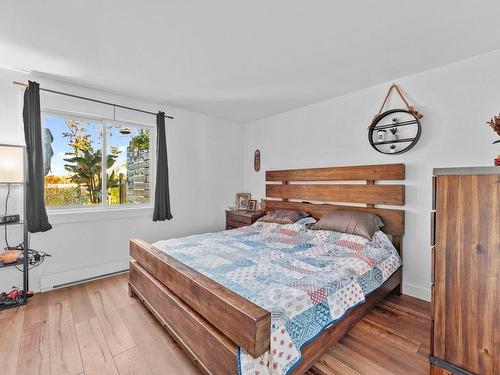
[221, 318]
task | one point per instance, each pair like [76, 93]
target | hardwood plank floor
[96, 356]
[95, 328]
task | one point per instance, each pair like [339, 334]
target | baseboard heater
[89, 279]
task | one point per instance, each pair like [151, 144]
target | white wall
[456, 100]
[205, 159]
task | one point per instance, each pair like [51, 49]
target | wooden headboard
[353, 188]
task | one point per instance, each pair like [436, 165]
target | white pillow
[306, 220]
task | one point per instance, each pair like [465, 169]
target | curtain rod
[92, 100]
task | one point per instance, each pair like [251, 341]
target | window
[74, 151]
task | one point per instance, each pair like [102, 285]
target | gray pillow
[283, 216]
[351, 222]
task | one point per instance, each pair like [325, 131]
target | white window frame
[77, 213]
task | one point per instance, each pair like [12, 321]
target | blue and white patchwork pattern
[306, 279]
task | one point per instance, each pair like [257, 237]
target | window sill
[77, 215]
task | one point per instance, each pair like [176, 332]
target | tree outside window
[75, 174]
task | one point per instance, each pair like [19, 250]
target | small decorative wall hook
[256, 160]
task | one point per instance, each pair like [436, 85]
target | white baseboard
[417, 291]
[48, 282]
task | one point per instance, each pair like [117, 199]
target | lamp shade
[11, 164]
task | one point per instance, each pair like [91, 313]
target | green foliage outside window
[140, 141]
[87, 172]
[82, 158]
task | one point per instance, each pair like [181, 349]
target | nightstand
[236, 219]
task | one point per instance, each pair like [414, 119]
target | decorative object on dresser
[242, 200]
[465, 245]
[240, 218]
[256, 160]
[397, 130]
[495, 125]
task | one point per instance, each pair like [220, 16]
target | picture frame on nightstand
[242, 200]
[252, 205]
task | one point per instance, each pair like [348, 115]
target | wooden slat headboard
[354, 173]
[318, 190]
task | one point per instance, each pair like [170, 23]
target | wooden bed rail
[194, 334]
[242, 321]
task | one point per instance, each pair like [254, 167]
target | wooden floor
[95, 328]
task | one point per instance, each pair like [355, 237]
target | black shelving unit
[406, 143]
[23, 262]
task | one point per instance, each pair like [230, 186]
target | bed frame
[210, 321]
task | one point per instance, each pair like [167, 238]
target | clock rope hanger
[396, 130]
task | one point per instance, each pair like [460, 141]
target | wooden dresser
[240, 218]
[465, 240]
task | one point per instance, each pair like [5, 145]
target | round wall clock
[394, 131]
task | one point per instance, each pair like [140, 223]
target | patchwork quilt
[306, 279]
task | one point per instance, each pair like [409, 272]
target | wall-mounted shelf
[394, 141]
[19, 262]
[397, 125]
[386, 136]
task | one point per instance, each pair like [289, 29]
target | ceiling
[241, 60]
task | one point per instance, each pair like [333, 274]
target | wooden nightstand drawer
[236, 219]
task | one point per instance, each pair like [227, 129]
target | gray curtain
[36, 215]
[162, 194]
